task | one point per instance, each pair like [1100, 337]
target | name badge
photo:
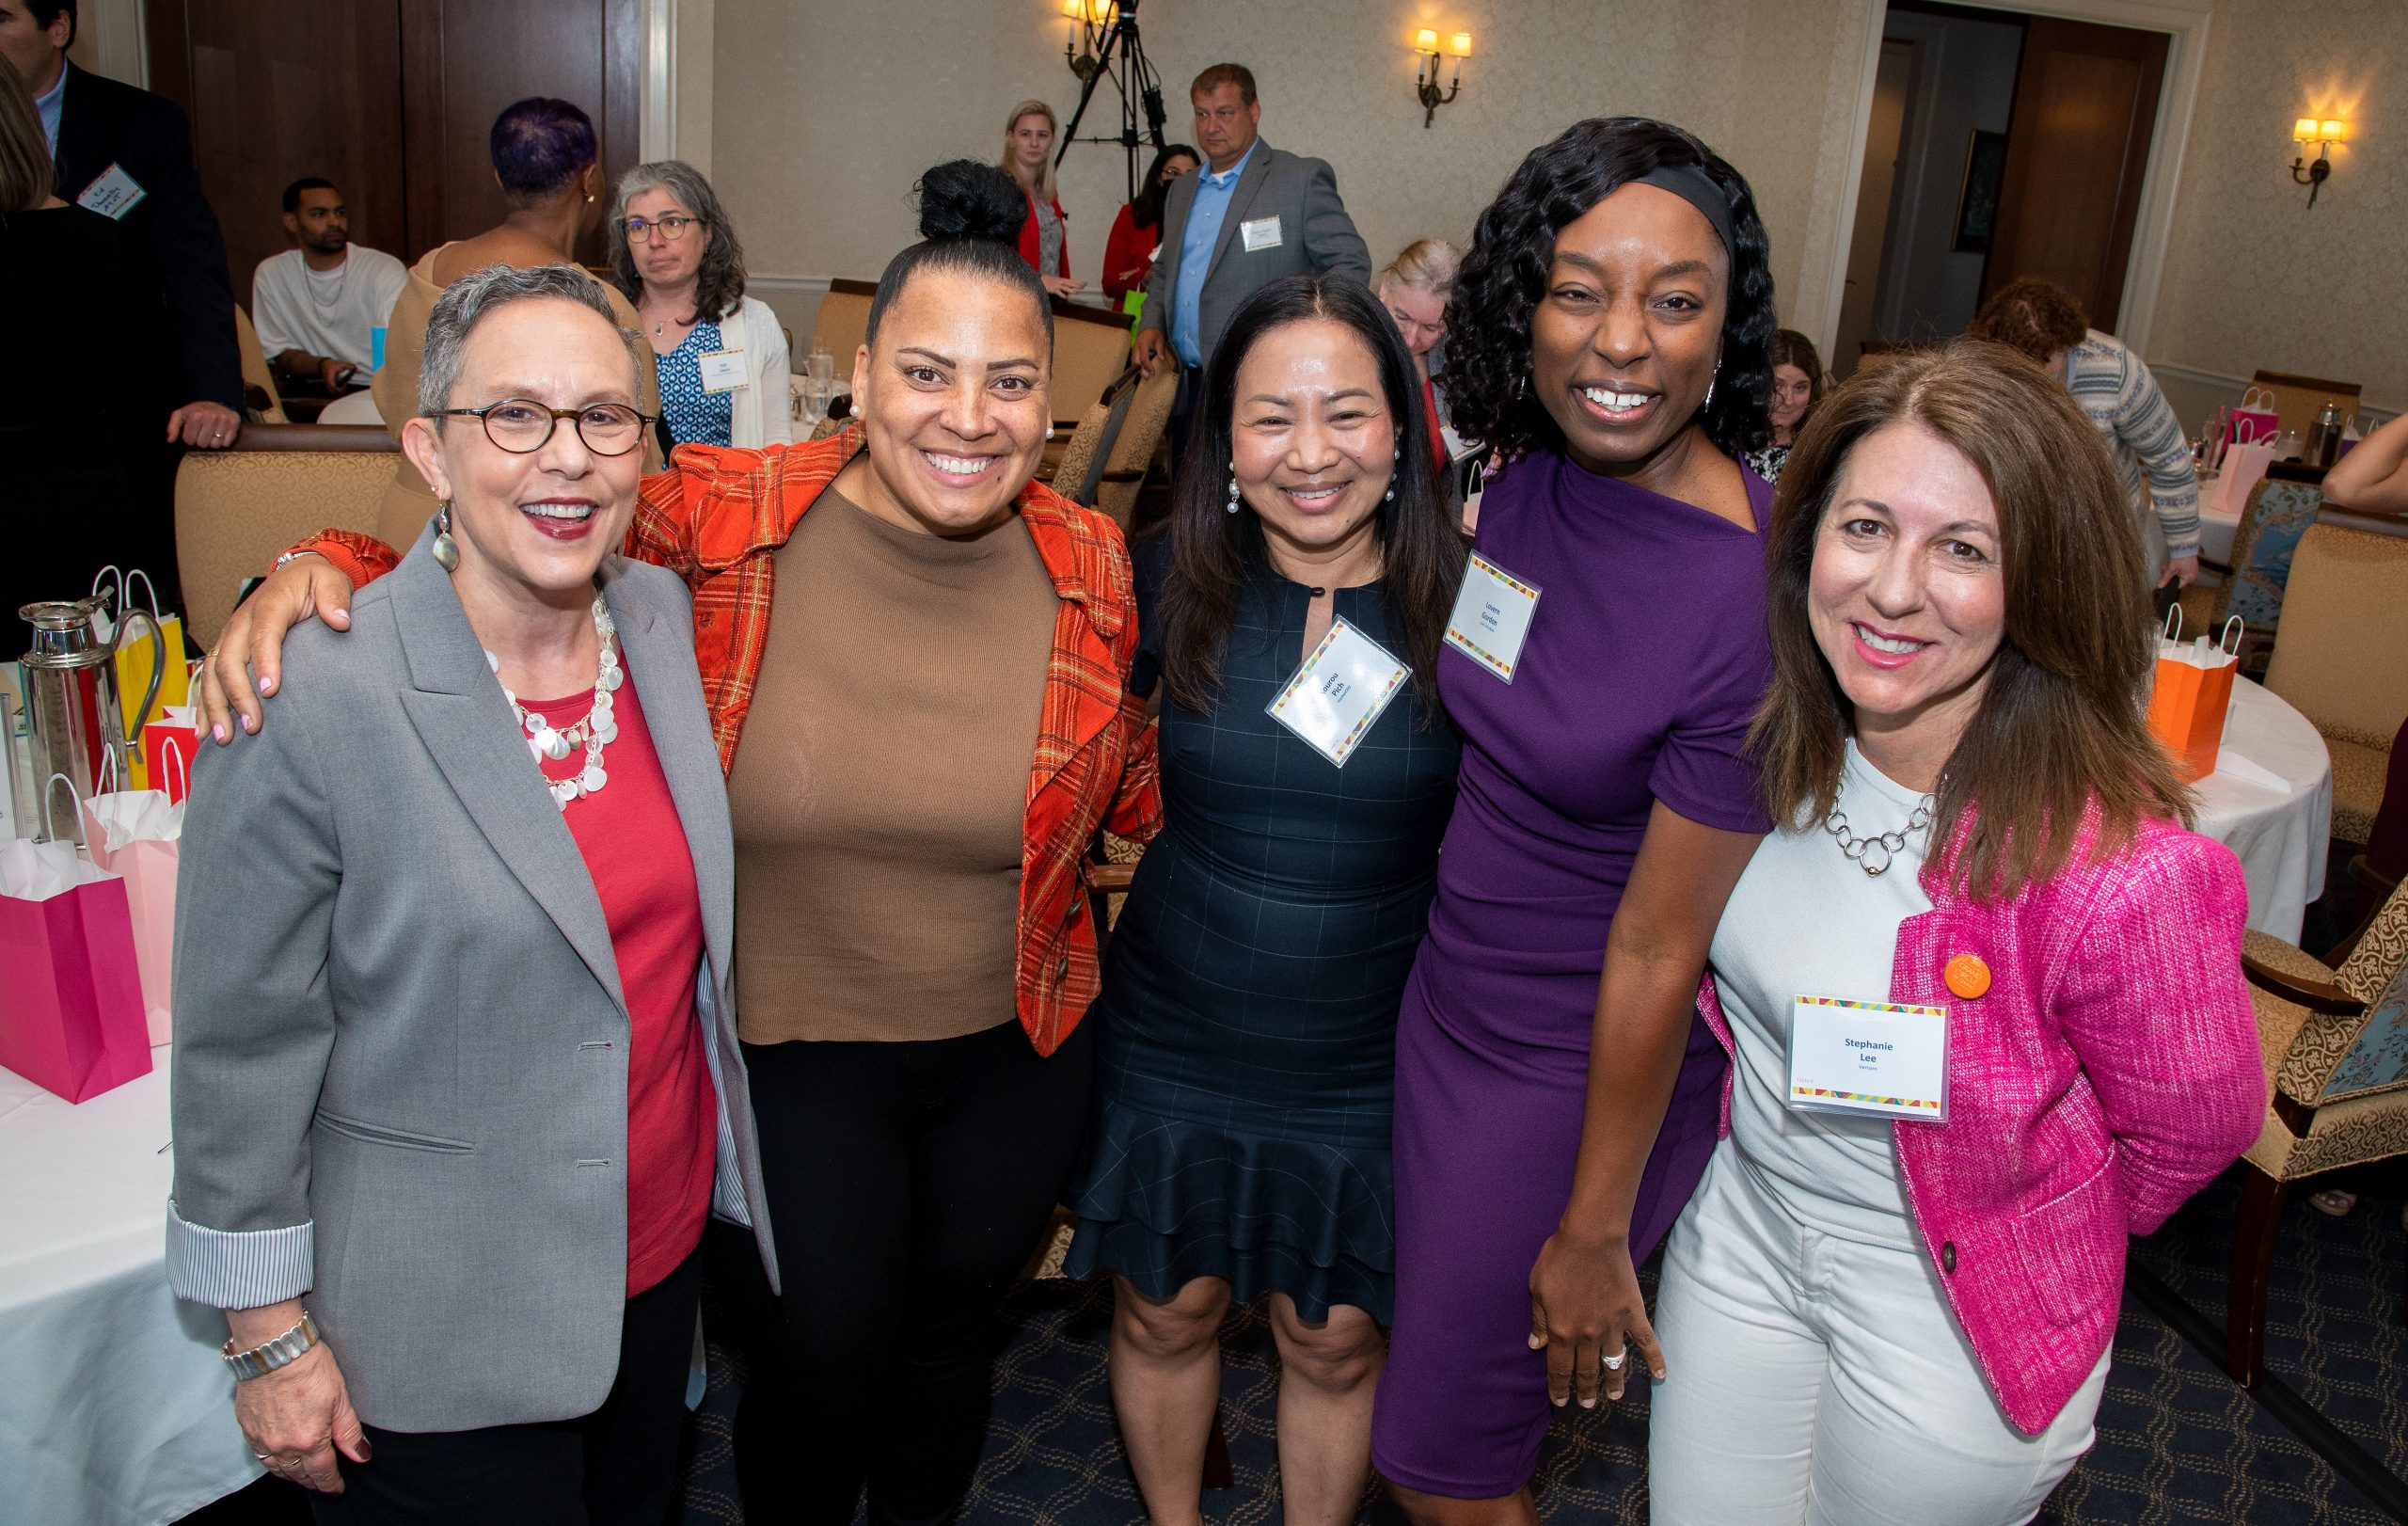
[1492, 616]
[1868, 1057]
[723, 371]
[113, 194]
[1338, 691]
[1262, 233]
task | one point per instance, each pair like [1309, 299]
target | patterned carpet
[2178, 1442]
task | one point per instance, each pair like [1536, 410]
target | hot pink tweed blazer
[2109, 1072]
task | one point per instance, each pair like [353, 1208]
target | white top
[1805, 921]
[326, 311]
[761, 414]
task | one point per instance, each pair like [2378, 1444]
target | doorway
[2022, 148]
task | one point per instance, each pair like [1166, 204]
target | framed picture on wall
[1978, 199]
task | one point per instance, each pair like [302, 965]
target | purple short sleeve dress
[1645, 659]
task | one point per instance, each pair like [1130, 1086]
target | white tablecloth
[114, 1407]
[2216, 529]
[2274, 806]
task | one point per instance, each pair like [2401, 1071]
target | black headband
[1696, 187]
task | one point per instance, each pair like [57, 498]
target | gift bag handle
[50, 788]
[171, 748]
[127, 597]
[158, 666]
[2232, 633]
[2172, 626]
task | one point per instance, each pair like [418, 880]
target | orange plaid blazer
[717, 517]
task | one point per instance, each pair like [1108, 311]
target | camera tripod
[1120, 56]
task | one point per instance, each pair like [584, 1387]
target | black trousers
[615, 1467]
[908, 1183]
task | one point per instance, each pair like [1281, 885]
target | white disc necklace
[596, 729]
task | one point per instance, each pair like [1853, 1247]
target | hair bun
[963, 199]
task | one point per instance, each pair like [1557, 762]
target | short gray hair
[480, 294]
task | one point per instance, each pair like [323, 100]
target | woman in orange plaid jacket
[921, 735]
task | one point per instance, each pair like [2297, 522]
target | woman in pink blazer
[1982, 992]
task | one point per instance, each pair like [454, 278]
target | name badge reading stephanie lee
[1262, 233]
[113, 194]
[723, 371]
[1338, 691]
[1492, 616]
[1868, 1057]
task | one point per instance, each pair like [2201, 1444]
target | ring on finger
[1613, 1363]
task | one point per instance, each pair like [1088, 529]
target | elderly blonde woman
[719, 354]
[1414, 288]
[1029, 134]
[457, 1082]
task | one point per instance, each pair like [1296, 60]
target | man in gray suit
[1251, 216]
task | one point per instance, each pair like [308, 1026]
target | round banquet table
[2271, 802]
[115, 1409]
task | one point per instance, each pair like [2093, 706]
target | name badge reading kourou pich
[1338, 691]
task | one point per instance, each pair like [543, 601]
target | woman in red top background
[1129, 253]
[1028, 159]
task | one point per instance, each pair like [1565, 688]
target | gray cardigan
[401, 1059]
[1314, 235]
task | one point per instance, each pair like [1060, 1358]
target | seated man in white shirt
[318, 307]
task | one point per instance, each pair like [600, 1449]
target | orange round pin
[1968, 976]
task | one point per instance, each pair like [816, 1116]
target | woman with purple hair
[547, 159]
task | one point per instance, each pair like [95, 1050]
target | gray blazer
[401, 1059]
[1314, 235]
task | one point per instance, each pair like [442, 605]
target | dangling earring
[447, 550]
[1233, 490]
[1708, 403]
[1396, 458]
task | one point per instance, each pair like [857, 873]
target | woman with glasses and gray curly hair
[719, 354]
[461, 1069]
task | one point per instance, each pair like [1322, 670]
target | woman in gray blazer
[455, 1054]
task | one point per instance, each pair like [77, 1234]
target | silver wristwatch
[271, 1355]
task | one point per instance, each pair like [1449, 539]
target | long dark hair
[1147, 211]
[1215, 554]
[2059, 745]
[1488, 317]
[970, 219]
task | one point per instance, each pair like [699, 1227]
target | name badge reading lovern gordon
[1492, 616]
[113, 194]
[723, 371]
[1868, 1057]
[1338, 691]
[1262, 233]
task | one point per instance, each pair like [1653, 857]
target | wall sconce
[1425, 79]
[1090, 20]
[2324, 134]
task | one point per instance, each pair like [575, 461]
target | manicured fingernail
[219, 732]
[264, 686]
[1591, 1403]
[249, 724]
[1537, 1340]
[366, 1450]
[1559, 1404]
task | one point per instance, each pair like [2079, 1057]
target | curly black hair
[1488, 317]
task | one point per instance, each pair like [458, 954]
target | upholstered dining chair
[258, 377]
[2337, 658]
[2335, 1047]
[1133, 448]
[237, 507]
[844, 320]
[2280, 509]
[2299, 399]
[1071, 469]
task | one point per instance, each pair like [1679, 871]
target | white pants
[1824, 1380]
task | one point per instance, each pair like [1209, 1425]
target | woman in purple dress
[1557, 1094]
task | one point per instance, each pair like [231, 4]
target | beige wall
[826, 111]
[2253, 276]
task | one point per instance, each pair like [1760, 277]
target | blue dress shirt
[48, 103]
[1195, 245]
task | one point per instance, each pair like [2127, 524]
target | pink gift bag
[71, 1005]
[137, 834]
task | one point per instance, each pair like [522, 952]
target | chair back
[1090, 351]
[1132, 451]
[238, 507]
[1081, 460]
[2345, 625]
[844, 320]
[2337, 1056]
[2277, 516]
[256, 372]
[2299, 399]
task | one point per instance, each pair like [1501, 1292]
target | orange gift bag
[2193, 689]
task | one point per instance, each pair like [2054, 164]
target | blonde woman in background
[1029, 132]
[1414, 288]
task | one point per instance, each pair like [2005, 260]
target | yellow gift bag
[2193, 689]
[135, 658]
